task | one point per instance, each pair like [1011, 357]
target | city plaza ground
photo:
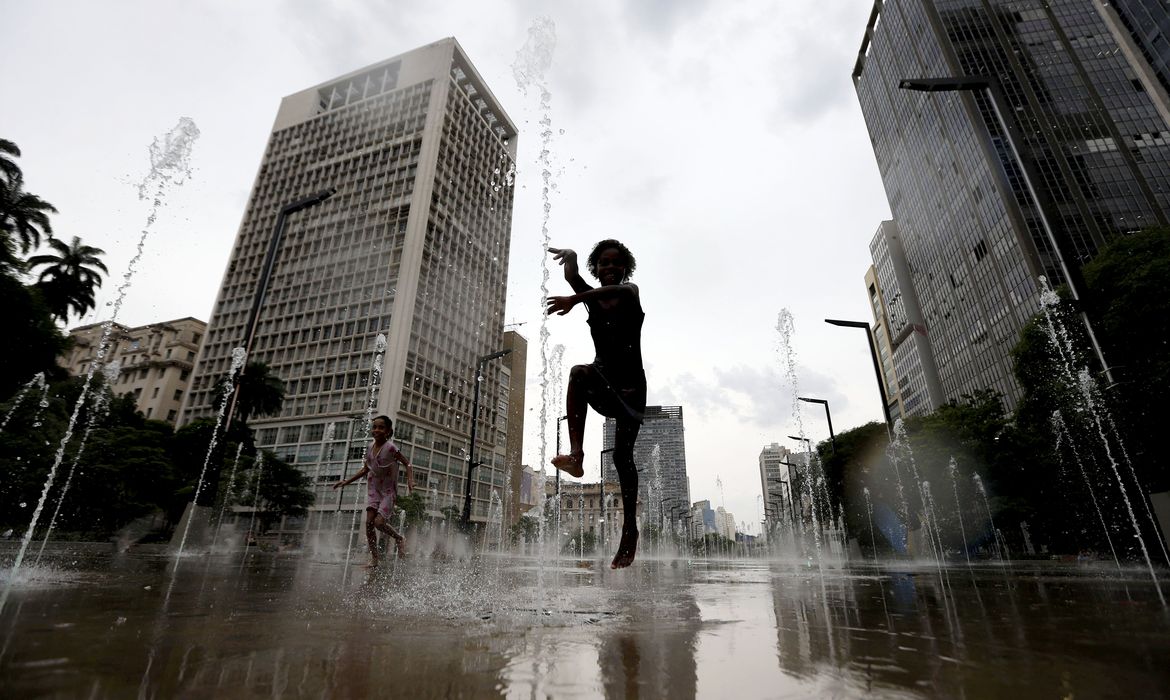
[86, 622]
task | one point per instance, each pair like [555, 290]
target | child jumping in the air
[615, 384]
[381, 464]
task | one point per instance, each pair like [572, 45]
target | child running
[615, 384]
[381, 464]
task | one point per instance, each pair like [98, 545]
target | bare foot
[626, 549]
[401, 545]
[571, 464]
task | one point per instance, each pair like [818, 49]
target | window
[154, 394]
[178, 394]
[183, 375]
[171, 414]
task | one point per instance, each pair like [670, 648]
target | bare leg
[573, 463]
[371, 538]
[623, 459]
[399, 540]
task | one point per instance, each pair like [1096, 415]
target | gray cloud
[660, 18]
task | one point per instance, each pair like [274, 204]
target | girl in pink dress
[381, 466]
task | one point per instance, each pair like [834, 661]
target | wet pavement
[86, 623]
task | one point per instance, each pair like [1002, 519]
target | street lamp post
[465, 522]
[828, 417]
[877, 368]
[206, 495]
[990, 86]
[558, 475]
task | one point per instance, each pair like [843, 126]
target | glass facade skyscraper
[661, 456]
[1085, 109]
[413, 245]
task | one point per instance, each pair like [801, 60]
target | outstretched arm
[346, 482]
[409, 471]
[563, 305]
[568, 259]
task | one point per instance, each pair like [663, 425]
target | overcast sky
[721, 141]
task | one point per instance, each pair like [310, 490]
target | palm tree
[70, 276]
[8, 167]
[23, 215]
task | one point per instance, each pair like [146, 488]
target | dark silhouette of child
[615, 383]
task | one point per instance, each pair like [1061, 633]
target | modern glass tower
[661, 457]
[1061, 95]
[413, 245]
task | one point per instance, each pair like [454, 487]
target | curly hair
[605, 245]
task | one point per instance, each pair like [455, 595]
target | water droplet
[23, 504]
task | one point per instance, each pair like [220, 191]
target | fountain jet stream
[98, 410]
[37, 380]
[169, 165]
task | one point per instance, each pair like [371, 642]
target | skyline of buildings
[1066, 147]
[413, 246]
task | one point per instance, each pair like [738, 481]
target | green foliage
[1129, 303]
[415, 507]
[31, 340]
[576, 540]
[123, 474]
[274, 488]
[261, 393]
[526, 529]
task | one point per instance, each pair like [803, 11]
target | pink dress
[382, 482]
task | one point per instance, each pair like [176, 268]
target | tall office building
[413, 245]
[775, 479]
[1086, 110]
[511, 406]
[906, 361]
[661, 456]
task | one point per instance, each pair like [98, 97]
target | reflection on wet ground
[88, 624]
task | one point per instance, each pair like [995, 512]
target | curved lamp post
[465, 522]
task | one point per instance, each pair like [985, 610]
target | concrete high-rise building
[661, 456]
[724, 523]
[512, 384]
[155, 360]
[906, 360]
[775, 480]
[414, 245]
[1081, 88]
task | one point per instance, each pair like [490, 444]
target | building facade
[725, 524]
[775, 481]
[907, 362]
[408, 255]
[588, 509]
[513, 377]
[661, 457]
[1060, 144]
[155, 360]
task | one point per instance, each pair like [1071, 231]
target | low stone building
[155, 360]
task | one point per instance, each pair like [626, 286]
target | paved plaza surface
[87, 623]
